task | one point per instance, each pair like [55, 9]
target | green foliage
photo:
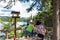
[7, 25]
[19, 34]
[45, 16]
[11, 34]
[19, 26]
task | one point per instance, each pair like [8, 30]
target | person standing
[29, 29]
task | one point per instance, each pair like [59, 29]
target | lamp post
[15, 15]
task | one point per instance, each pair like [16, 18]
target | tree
[35, 2]
[8, 26]
[59, 18]
[55, 19]
[45, 16]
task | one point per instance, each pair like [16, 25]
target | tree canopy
[38, 4]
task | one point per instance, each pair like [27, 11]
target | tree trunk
[59, 24]
[59, 19]
[55, 19]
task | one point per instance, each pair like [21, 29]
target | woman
[40, 30]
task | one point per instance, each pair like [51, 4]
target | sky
[21, 7]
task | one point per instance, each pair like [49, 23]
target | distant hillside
[6, 18]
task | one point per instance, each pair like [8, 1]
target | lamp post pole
[14, 28]
[15, 15]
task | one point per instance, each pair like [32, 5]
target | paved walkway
[23, 38]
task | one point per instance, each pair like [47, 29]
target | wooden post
[14, 28]
[6, 34]
[16, 16]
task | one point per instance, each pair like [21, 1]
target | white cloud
[3, 4]
[4, 13]
[18, 7]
